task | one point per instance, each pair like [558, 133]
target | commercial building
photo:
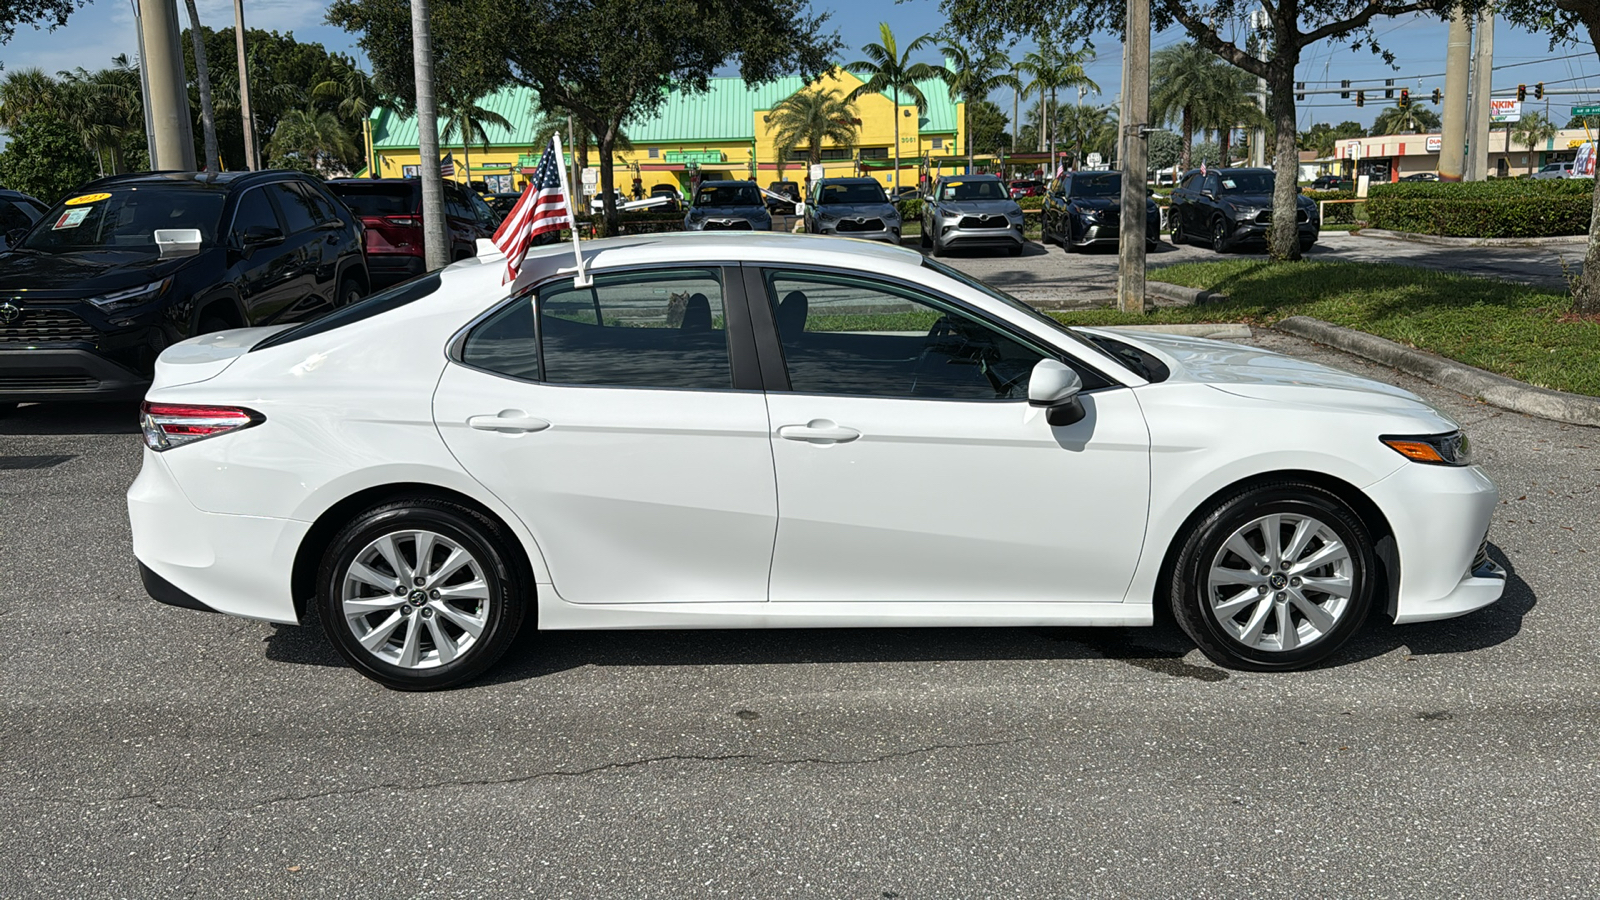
[1391, 157]
[725, 132]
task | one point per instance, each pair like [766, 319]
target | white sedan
[760, 431]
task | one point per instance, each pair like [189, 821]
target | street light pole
[435, 246]
[252, 154]
[1135, 115]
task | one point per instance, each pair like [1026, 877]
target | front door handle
[509, 421]
[818, 431]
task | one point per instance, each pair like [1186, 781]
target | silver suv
[852, 207]
[971, 211]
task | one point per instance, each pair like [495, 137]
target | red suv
[1021, 189]
[391, 210]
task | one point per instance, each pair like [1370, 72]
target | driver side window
[848, 335]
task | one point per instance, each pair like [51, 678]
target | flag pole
[581, 279]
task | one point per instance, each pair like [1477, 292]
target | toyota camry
[767, 431]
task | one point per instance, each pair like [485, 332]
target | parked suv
[852, 207]
[127, 265]
[1555, 170]
[391, 210]
[728, 206]
[1227, 208]
[971, 211]
[1082, 209]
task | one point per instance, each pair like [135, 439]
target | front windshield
[972, 190]
[863, 192]
[728, 195]
[1247, 182]
[1106, 184]
[1021, 307]
[126, 218]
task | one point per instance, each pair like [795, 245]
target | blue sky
[105, 29]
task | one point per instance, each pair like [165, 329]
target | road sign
[1094, 160]
[1591, 110]
[1505, 110]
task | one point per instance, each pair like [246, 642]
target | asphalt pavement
[1050, 277]
[158, 752]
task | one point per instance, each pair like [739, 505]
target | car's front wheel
[1220, 241]
[1274, 577]
[421, 594]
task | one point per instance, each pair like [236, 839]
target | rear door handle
[509, 421]
[818, 431]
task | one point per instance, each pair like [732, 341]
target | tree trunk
[1016, 125]
[1285, 238]
[966, 119]
[608, 142]
[208, 123]
[1586, 286]
[1188, 142]
[896, 179]
[466, 153]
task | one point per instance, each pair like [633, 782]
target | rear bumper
[239, 565]
[66, 374]
[392, 268]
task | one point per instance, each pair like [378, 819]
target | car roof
[852, 179]
[969, 177]
[199, 180]
[725, 181]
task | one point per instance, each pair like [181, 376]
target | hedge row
[1337, 213]
[1500, 218]
[1485, 190]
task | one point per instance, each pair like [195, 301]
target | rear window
[377, 304]
[378, 200]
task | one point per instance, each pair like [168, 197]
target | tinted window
[321, 206]
[296, 208]
[506, 342]
[126, 218]
[861, 192]
[972, 190]
[1246, 182]
[483, 213]
[661, 329]
[14, 216]
[728, 195]
[380, 198]
[1193, 182]
[254, 209]
[381, 302]
[844, 335]
[1107, 184]
[455, 205]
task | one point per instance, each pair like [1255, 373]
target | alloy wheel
[415, 599]
[1280, 582]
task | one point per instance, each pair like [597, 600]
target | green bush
[1031, 202]
[45, 158]
[910, 209]
[1487, 209]
[1338, 213]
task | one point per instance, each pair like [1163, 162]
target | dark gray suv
[852, 207]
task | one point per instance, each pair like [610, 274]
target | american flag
[541, 208]
[447, 166]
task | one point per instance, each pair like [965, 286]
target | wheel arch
[308, 556]
[226, 302]
[1377, 524]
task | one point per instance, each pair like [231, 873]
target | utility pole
[435, 246]
[252, 155]
[1258, 136]
[1478, 114]
[1135, 115]
[168, 99]
[1453, 133]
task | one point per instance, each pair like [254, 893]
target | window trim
[744, 371]
[775, 367]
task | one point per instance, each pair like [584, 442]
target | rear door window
[254, 209]
[298, 214]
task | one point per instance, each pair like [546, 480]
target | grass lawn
[1523, 332]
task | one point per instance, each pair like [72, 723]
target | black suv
[1227, 208]
[127, 265]
[1083, 209]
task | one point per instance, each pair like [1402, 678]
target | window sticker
[86, 198]
[72, 218]
[1228, 184]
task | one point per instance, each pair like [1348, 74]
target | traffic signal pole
[1478, 114]
[167, 101]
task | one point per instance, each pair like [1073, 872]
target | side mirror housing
[1054, 386]
[260, 236]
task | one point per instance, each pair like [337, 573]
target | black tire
[1220, 242]
[938, 247]
[1307, 245]
[1203, 548]
[1151, 245]
[349, 292]
[508, 589]
[1178, 239]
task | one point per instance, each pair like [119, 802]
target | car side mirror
[15, 236]
[260, 236]
[1208, 195]
[1054, 386]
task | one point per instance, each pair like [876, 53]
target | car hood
[728, 212]
[879, 210]
[1260, 201]
[83, 274]
[1105, 203]
[1264, 375]
[979, 207]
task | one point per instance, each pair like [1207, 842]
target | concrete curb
[1438, 241]
[1183, 296]
[1496, 390]
[1223, 331]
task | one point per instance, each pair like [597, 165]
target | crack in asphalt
[522, 779]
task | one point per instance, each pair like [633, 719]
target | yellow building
[722, 133]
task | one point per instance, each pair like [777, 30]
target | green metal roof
[725, 112]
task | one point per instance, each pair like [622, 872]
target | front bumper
[892, 235]
[1098, 234]
[1259, 233]
[727, 223]
[239, 565]
[44, 374]
[956, 236]
[1440, 518]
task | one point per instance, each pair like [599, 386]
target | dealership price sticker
[72, 218]
[86, 198]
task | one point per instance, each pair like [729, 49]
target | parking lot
[154, 751]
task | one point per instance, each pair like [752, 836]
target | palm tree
[353, 93]
[1534, 129]
[1405, 120]
[1052, 70]
[1231, 104]
[1089, 129]
[1016, 73]
[314, 137]
[887, 68]
[465, 119]
[970, 78]
[808, 118]
[1180, 76]
[208, 122]
[103, 107]
[23, 91]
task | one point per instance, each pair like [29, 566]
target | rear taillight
[168, 425]
[402, 221]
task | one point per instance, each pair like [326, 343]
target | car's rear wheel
[1177, 232]
[1274, 577]
[421, 594]
[349, 291]
[1219, 236]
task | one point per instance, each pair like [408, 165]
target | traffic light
[1345, 93]
[1538, 91]
[1388, 89]
[1435, 96]
[1522, 92]
[1361, 98]
[1405, 98]
[1300, 87]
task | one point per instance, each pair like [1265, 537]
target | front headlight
[1451, 449]
[138, 296]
